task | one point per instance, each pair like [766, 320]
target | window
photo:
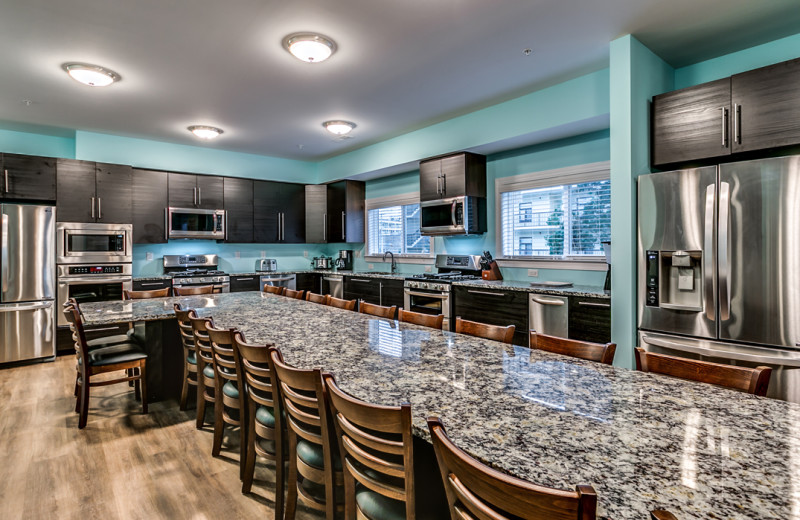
[557, 215]
[396, 228]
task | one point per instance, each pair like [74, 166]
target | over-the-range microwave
[453, 216]
[206, 224]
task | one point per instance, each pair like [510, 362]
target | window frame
[599, 171]
[386, 202]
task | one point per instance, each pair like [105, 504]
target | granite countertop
[154, 277]
[643, 441]
[364, 274]
[589, 291]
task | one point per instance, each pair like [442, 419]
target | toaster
[266, 265]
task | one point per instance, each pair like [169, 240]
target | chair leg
[77, 397]
[291, 483]
[279, 470]
[129, 373]
[84, 403]
[136, 387]
[244, 439]
[349, 496]
[250, 457]
[143, 376]
[219, 426]
[185, 388]
[76, 384]
[201, 408]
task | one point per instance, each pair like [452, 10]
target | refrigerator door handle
[780, 358]
[4, 258]
[19, 307]
[724, 253]
[708, 253]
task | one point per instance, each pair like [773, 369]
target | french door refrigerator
[719, 266]
[27, 282]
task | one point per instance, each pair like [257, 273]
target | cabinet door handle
[487, 293]
[283, 226]
[324, 227]
[5, 174]
[724, 127]
[279, 225]
[359, 280]
[99, 208]
[194, 196]
[199, 197]
[737, 132]
[444, 184]
[344, 228]
[595, 304]
[380, 293]
[155, 284]
[244, 279]
[92, 207]
[438, 184]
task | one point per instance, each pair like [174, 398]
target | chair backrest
[348, 305]
[297, 295]
[274, 289]
[226, 363]
[184, 317]
[202, 342]
[478, 491]
[602, 353]
[194, 289]
[376, 444]
[256, 372]
[73, 316]
[417, 318]
[482, 330]
[662, 515]
[377, 310]
[317, 298]
[144, 295]
[750, 380]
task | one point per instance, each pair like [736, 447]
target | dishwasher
[334, 285]
[549, 314]
[286, 280]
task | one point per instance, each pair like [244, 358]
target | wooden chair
[478, 491]
[317, 298]
[145, 295]
[417, 318]
[274, 289]
[205, 366]
[602, 353]
[377, 449]
[228, 386]
[122, 356]
[482, 330]
[662, 515]
[297, 295]
[195, 289]
[348, 305]
[104, 341]
[751, 380]
[186, 334]
[265, 430]
[377, 310]
[315, 470]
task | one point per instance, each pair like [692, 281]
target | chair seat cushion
[208, 371]
[265, 416]
[191, 358]
[108, 340]
[230, 390]
[311, 454]
[378, 507]
[267, 445]
[120, 353]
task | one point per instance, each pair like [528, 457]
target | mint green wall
[12, 141]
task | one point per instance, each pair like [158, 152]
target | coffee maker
[344, 260]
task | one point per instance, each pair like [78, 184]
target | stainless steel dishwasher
[549, 314]
[335, 285]
[285, 280]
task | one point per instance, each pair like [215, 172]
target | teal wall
[27, 143]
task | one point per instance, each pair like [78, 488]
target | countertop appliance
[344, 260]
[321, 262]
[206, 224]
[718, 254]
[83, 243]
[287, 280]
[453, 216]
[430, 293]
[266, 265]
[549, 314]
[28, 273]
[188, 270]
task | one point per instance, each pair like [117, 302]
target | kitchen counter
[588, 291]
[152, 278]
[643, 441]
[365, 274]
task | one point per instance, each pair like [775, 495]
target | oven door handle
[428, 295]
[67, 281]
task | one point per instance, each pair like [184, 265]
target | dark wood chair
[183, 316]
[377, 310]
[274, 289]
[417, 318]
[195, 289]
[265, 429]
[602, 353]
[751, 380]
[297, 295]
[145, 295]
[122, 356]
[478, 491]
[348, 305]
[103, 341]
[482, 330]
[315, 470]
[662, 515]
[205, 366]
[317, 298]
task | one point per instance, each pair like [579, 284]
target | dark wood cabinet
[279, 212]
[27, 177]
[294, 213]
[316, 213]
[345, 211]
[362, 288]
[114, 191]
[152, 285]
[492, 306]
[245, 283]
[392, 292]
[238, 210]
[430, 175]
[210, 192]
[94, 192]
[308, 282]
[150, 201]
[590, 319]
[453, 175]
[196, 191]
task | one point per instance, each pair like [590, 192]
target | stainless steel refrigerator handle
[26, 306]
[724, 126]
[5, 174]
[723, 354]
[99, 208]
[4, 257]
[92, 207]
[438, 296]
[737, 111]
[708, 254]
[545, 301]
[724, 251]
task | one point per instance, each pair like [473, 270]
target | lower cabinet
[309, 282]
[590, 319]
[392, 292]
[245, 283]
[151, 285]
[494, 307]
[378, 291]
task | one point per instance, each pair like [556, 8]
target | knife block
[493, 273]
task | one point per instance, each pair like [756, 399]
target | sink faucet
[394, 264]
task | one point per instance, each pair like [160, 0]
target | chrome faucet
[394, 264]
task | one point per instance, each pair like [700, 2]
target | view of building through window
[396, 229]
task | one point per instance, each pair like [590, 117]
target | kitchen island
[643, 441]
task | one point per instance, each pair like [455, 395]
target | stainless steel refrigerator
[719, 266]
[27, 279]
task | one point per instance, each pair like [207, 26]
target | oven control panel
[96, 269]
[427, 286]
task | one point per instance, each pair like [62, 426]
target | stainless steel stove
[189, 270]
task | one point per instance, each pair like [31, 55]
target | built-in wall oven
[91, 283]
[428, 298]
[82, 243]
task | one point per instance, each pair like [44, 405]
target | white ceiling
[400, 65]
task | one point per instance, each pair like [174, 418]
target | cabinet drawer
[357, 288]
[308, 282]
[245, 283]
[493, 307]
[151, 285]
[590, 319]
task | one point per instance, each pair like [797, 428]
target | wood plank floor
[122, 465]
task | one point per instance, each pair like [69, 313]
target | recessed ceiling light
[309, 47]
[339, 127]
[205, 132]
[92, 75]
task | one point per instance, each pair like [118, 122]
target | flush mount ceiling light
[339, 127]
[92, 75]
[309, 47]
[205, 132]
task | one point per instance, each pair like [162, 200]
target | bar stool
[662, 515]
[599, 352]
[348, 305]
[417, 318]
[205, 366]
[195, 289]
[144, 295]
[274, 289]
[297, 295]
[317, 298]
[186, 334]
[377, 310]
[482, 330]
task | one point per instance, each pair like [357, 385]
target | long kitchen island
[643, 441]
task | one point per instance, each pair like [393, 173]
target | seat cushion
[378, 507]
[191, 358]
[107, 341]
[265, 416]
[120, 353]
[208, 371]
[230, 390]
[311, 454]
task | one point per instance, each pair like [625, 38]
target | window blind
[396, 229]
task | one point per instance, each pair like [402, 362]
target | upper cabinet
[335, 212]
[26, 177]
[279, 212]
[239, 210]
[94, 192]
[149, 206]
[196, 191]
[755, 110]
[455, 175]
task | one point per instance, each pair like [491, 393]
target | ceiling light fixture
[205, 132]
[92, 75]
[309, 47]
[339, 127]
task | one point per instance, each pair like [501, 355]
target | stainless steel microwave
[81, 243]
[206, 224]
[453, 216]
